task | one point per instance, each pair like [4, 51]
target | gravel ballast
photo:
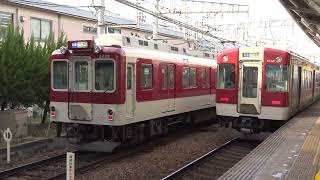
[175, 151]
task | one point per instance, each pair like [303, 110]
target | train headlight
[97, 49]
[278, 59]
[63, 50]
[225, 58]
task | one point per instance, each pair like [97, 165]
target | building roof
[307, 14]
[80, 13]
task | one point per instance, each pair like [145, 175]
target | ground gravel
[174, 152]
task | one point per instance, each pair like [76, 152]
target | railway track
[216, 162]
[53, 167]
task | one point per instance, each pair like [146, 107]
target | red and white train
[261, 87]
[123, 89]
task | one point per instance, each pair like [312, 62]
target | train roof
[128, 41]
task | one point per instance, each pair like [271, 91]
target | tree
[25, 69]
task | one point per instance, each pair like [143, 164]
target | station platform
[292, 152]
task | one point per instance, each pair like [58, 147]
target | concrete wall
[16, 121]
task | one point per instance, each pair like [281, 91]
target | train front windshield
[103, 75]
[277, 78]
[60, 74]
[226, 76]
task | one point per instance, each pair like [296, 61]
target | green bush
[25, 69]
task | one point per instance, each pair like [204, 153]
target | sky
[259, 10]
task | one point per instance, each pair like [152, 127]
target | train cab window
[146, 76]
[104, 75]
[81, 75]
[226, 76]
[60, 74]
[193, 77]
[276, 78]
[164, 75]
[171, 77]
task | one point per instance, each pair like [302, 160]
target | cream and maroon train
[258, 88]
[123, 89]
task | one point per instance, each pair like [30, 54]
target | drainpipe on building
[100, 14]
[155, 24]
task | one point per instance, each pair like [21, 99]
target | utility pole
[100, 14]
[155, 24]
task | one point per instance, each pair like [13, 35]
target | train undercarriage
[250, 125]
[107, 138]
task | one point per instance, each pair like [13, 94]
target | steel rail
[18, 169]
[197, 161]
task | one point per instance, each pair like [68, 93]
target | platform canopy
[307, 14]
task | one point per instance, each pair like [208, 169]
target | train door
[130, 93]
[168, 85]
[296, 80]
[249, 94]
[171, 85]
[299, 85]
[80, 89]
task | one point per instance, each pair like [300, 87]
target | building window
[146, 76]
[5, 20]
[40, 28]
[155, 46]
[145, 43]
[206, 55]
[184, 50]
[128, 40]
[174, 49]
[114, 30]
[89, 30]
[140, 42]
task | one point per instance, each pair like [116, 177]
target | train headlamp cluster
[225, 58]
[97, 49]
[63, 50]
[278, 59]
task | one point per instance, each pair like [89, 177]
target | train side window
[81, 75]
[104, 75]
[129, 77]
[226, 76]
[60, 74]
[205, 78]
[276, 78]
[193, 77]
[171, 76]
[146, 76]
[186, 77]
[164, 74]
